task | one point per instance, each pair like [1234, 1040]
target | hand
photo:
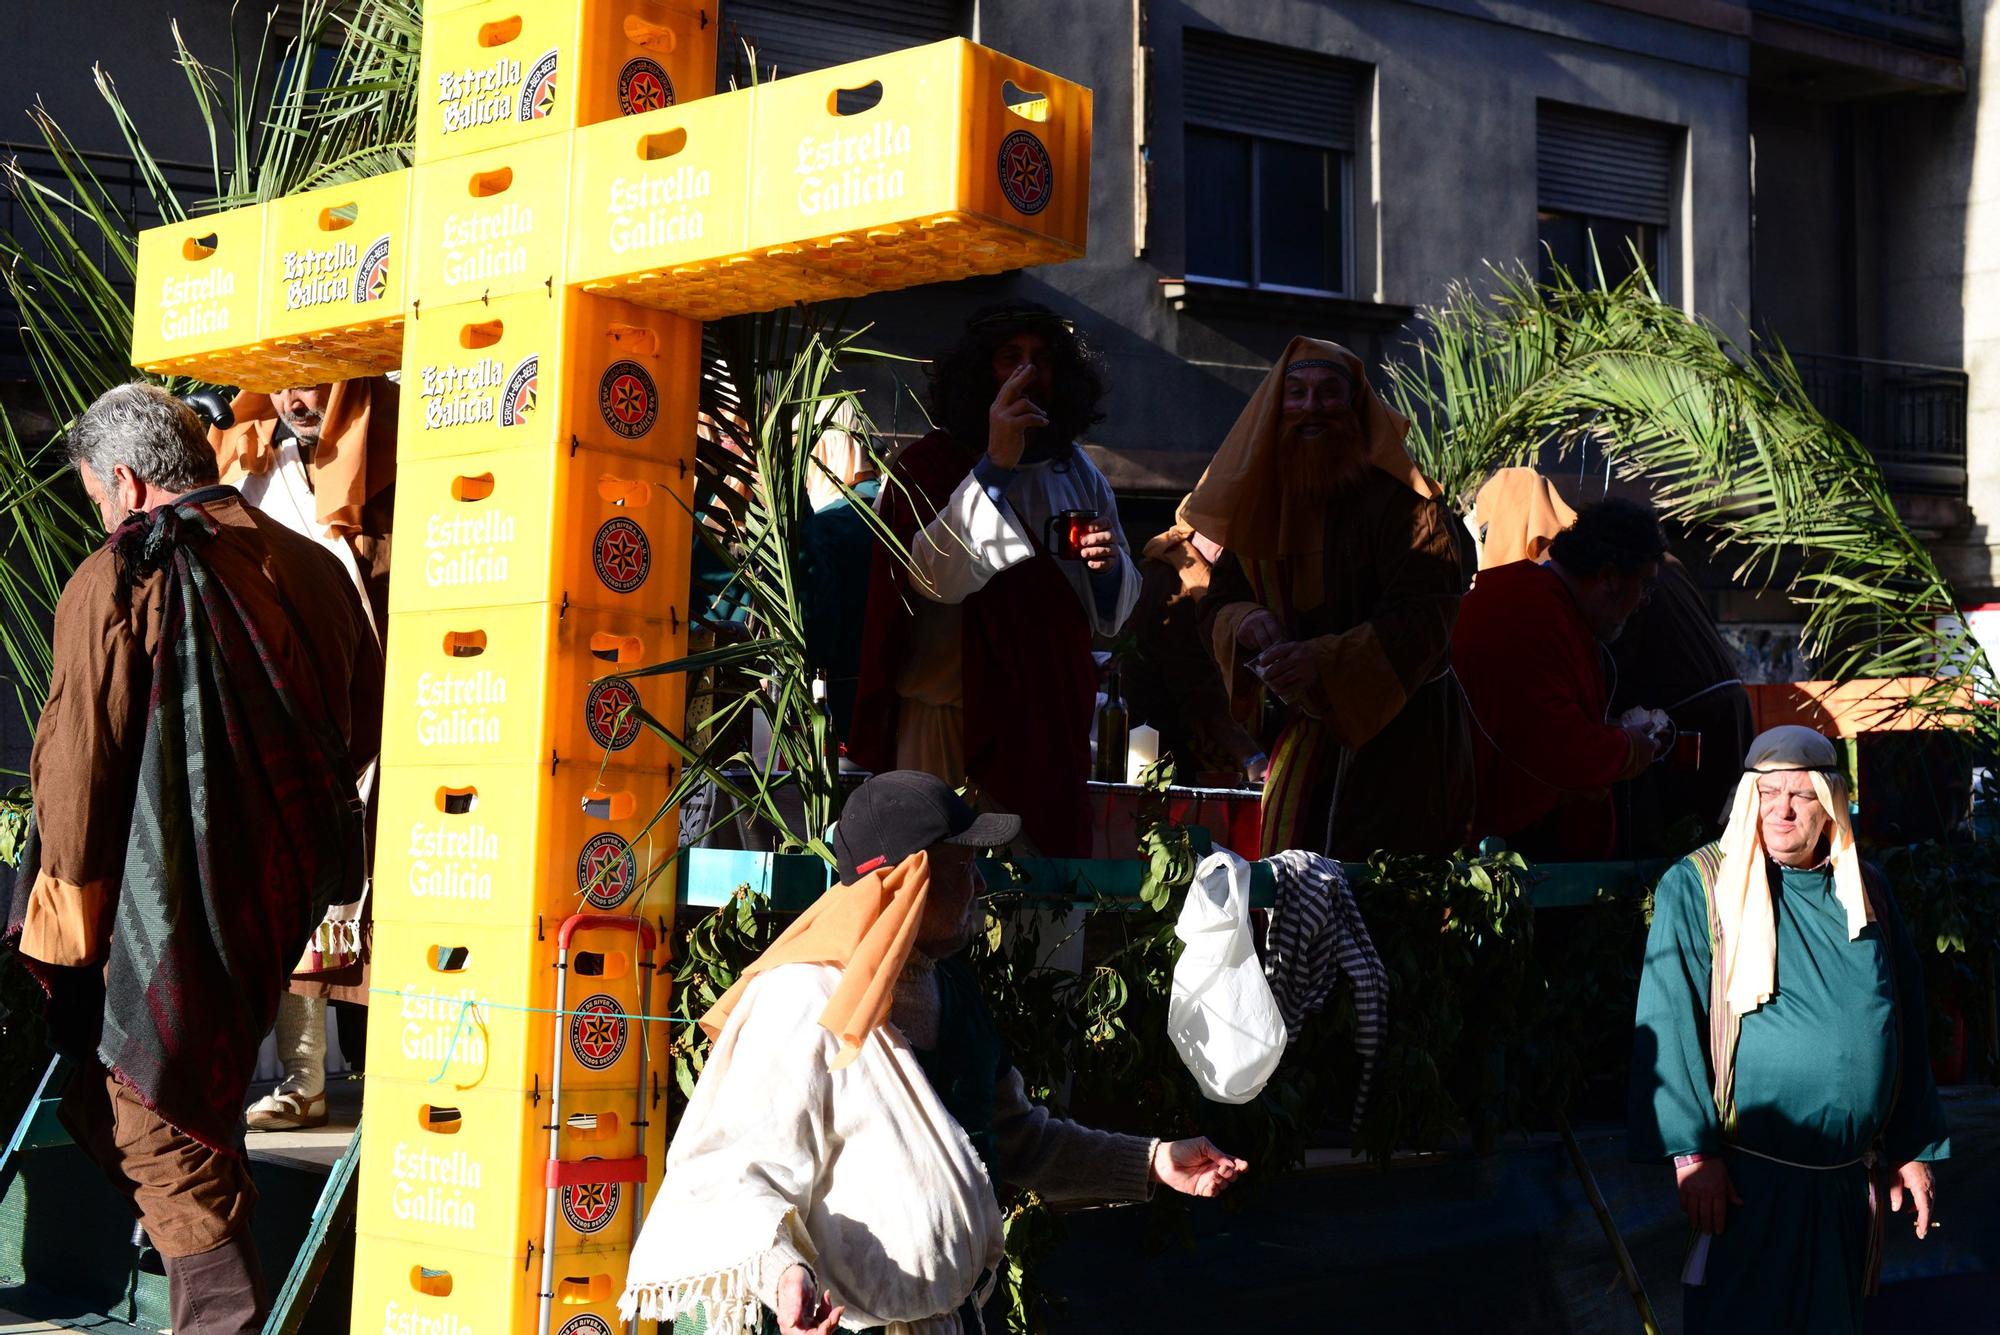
[802, 1310]
[1915, 1178]
[1259, 631]
[1706, 1194]
[1010, 417]
[1256, 768]
[1290, 669]
[1098, 548]
[1645, 746]
[1195, 1167]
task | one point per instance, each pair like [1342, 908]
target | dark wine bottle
[1112, 735]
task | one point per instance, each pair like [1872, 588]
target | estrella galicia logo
[643, 86]
[610, 713]
[587, 1324]
[518, 405]
[590, 1206]
[597, 1032]
[371, 278]
[606, 871]
[627, 399]
[621, 555]
[1027, 176]
[538, 94]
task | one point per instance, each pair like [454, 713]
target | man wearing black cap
[995, 606]
[838, 1154]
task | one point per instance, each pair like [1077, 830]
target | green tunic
[1835, 1060]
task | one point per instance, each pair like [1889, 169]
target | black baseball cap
[906, 811]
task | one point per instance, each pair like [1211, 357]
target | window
[1605, 180]
[794, 36]
[1269, 157]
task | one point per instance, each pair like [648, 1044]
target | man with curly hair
[989, 613]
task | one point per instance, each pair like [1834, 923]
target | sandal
[286, 1111]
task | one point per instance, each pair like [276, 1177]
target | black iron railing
[1931, 25]
[125, 190]
[1910, 416]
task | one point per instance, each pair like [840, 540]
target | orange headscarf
[356, 457]
[866, 930]
[1243, 502]
[1521, 513]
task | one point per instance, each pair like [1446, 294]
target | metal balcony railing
[1910, 416]
[1929, 25]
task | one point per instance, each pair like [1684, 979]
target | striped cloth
[1317, 936]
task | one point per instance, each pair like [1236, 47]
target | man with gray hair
[216, 686]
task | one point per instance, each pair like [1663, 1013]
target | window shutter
[801, 35]
[1271, 91]
[1604, 166]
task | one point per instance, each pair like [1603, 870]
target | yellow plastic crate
[518, 526]
[968, 162]
[195, 303]
[499, 72]
[518, 845]
[466, 1169]
[472, 1008]
[425, 1288]
[620, 378]
[526, 684]
[333, 287]
[660, 202]
[489, 224]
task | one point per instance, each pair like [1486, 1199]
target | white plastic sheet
[1221, 1015]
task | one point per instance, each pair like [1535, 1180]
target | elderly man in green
[1780, 1059]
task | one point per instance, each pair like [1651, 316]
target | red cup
[1066, 531]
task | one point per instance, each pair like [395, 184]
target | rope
[465, 1005]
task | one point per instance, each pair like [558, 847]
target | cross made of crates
[581, 200]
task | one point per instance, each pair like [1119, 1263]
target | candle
[1141, 750]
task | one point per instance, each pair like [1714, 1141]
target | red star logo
[629, 399]
[1028, 173]
[622, 557]
[612, 717]
[647, 95]
[605, 874]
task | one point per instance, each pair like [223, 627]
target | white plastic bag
[1221, 1016]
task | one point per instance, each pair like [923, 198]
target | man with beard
[1530, 653]
[1338, 586]
[977, 661]
[321, 460]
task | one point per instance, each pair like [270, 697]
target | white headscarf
[1747, 924]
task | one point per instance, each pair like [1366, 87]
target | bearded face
[1319, 433]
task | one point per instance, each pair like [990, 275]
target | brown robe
[1393, 771]
[85, 764]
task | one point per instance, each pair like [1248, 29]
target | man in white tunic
[996, 607]
[836, 1164]
[320, 459]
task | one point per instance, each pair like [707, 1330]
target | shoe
[285, 1111]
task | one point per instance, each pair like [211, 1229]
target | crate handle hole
[601, 804]
[485, 185]
[635, 339]
[854, 101]
[464, 643]
[653, 147]
[591, 1126]
[464, 488]
[657, 36]
[457, 801]
[616, 648]
[601, 963]
[339, 216]
[1027, 105]
[624, 491]
[199, 247]
[500, 31]
[481, 335]
[432, 1283]
[440, 1121]
[449, 959]
[576, 1290]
